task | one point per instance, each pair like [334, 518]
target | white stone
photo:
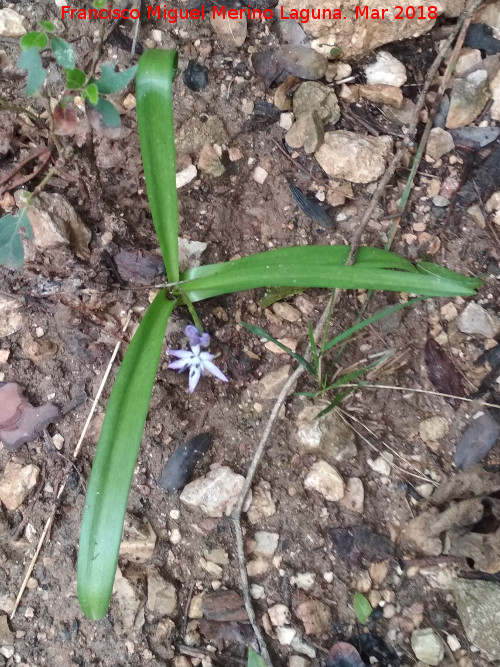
[285, 635]
[468, 58]
[185, 176]
[427, 646]
[381, 464]
[256, 591]
[387, 70]
[286, 311]
[16, 483]
[265, 543]
[286, 120]
[453, 643]
[303, 580]
[262, 506]
[11, 23]
[298, 661]
[216, 493]
[301, 646]
[279, 615]
[11, 315]
[259, 174]
[326, 480]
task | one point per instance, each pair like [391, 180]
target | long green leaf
[115, 459]
[153, 89]
[324, 266]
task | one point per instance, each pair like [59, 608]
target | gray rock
[194, 134]
[433, 429]
[162, 596]
[11, 23]
[355, 157]
[468, 99]
[270, 385]
[401, 116]
[354, 497]
[478, 321]
[302, 61]
[209, 162]
[329, 437]
[11, 315]
[307, 132]
[313, 96]
[190, 253]
[478, 605]
[6, 636]
[55, 223]
[216, 493]
[128, 604]
[326, 480]
[439, 143]
[427, 646]
[262, 505]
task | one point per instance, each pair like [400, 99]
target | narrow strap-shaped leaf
[153, 88]
[324, 266]
[370, 320]
[115, 459]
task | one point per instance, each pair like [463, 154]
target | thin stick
[422, 391]
[99, 392]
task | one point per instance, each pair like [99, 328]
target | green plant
[318, 266]
[92, 90]
[362, 608]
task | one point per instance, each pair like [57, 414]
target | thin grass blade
[115, 459]
[259, 331]
[153, 89]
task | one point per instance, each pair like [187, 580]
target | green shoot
[362, 608]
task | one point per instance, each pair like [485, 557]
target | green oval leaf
[38, 40]
[75, 79]
[99, 4]
[30, 61]
[115, 459]
[362, 608]
[11, 246]
[63, 52]
[111, 81]
[153, 88]
[104, 118]
[91, 94]
[47, 25]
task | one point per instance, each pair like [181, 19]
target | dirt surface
[74, 313]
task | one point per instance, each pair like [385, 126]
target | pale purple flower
[197, 337]
[195, 360]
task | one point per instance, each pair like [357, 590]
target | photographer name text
[173, 15]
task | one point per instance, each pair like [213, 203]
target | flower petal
[194, 376]
[205, 339]
[212, 368]
[192, 332]
[180, 365]
[180, 354]
[206, 356]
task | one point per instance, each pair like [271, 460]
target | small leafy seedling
[362, 608]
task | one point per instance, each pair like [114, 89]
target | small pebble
[259, 175]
